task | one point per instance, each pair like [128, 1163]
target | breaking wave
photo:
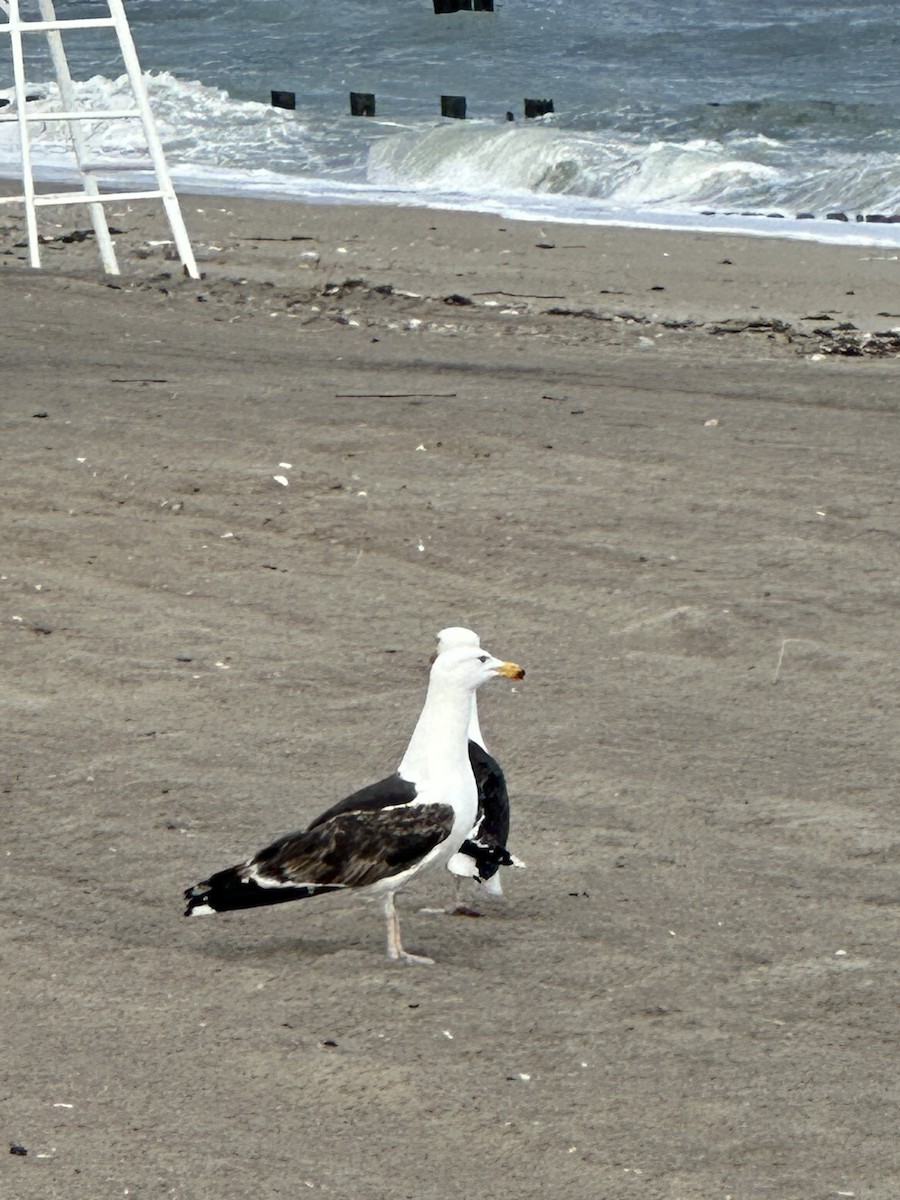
[716, 159]
[737, 172]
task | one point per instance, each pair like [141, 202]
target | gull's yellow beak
[510, 670]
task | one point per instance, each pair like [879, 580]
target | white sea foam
[540, 170]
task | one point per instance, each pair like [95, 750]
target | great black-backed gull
[484, 851]
[377, 840]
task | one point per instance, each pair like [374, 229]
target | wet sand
[677, 508]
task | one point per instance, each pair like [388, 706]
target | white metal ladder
[91, 194]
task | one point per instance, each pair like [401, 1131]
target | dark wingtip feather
[488, 859]
[228, 890]
[196, 896]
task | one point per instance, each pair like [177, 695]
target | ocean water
[664, 112]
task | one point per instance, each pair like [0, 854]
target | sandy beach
[659, 470]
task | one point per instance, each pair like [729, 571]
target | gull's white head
[470, 666]
[456, 635]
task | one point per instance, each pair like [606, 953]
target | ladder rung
[46, 26]
[50, 198]
[53, 198]
[98, 114]
[118, 164]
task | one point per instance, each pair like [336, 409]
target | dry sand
[674, 507]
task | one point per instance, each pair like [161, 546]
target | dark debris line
[840, 339]
[843, 339]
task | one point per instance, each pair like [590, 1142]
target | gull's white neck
[439, 743]
[474, 727]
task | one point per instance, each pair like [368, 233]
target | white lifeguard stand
[49, 24]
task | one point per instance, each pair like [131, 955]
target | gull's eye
[482, 658]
